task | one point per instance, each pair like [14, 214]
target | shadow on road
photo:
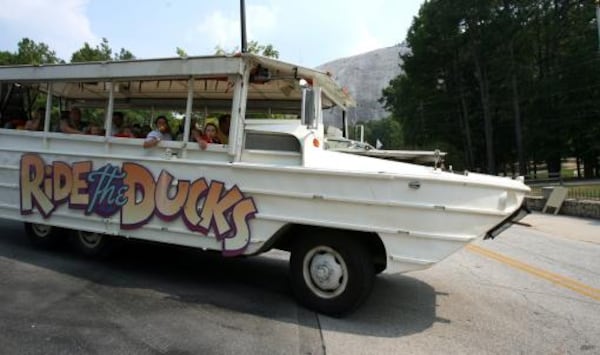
[259, 286]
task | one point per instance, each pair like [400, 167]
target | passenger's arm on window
[198, 138]
[65, 128]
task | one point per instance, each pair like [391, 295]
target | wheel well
[284, 239]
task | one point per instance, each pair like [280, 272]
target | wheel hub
[326, 272]
[41, 230]
[90, 239]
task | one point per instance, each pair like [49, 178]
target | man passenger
[73, 124]
[223, 133]
[117, 123]
[118, 128]
[36, 123]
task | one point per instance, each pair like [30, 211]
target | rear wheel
[42, 236]
[332, 274]
[92, 244]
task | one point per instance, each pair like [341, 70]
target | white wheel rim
[90, 240]
[325, 272]
[41, 230]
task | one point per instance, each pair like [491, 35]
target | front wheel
[331, 274]
[42, 236]
[92, 244]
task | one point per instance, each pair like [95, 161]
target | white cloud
[219, 30]
[61, 24]
[224, 31]
[365, 41]
[261, 20]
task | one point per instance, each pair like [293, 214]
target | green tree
[6, 58]
[102, 52]
[266, 50]
[254, 47]
[124, 54]
[29, 52]
[503, 81]
[181, 52]
[387, 131]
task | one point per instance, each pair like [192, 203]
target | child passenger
[161, 132]
[210, 133]
[209, 136]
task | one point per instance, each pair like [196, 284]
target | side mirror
[310, 105]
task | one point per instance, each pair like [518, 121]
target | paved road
[533, 290]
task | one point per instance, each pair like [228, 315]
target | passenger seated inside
[144, 130]
[210, 133]
[209, 136]
[161, 132]
[118, 128]
[223, 131]
[73, 123]
[36, 123]
[179, 135]
[15, 123]
[95, 130]
[136, 131]
[196, 135]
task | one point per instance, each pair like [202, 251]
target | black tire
[91, 244]
[43, 236]
[331, 273]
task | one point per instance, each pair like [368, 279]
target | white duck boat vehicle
[344, 218]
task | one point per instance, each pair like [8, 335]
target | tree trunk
[466, 129]
[589, 165]
[464, 115]
[517, 112]
[484, 91]
[553, 165]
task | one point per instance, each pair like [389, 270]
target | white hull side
[417, 226]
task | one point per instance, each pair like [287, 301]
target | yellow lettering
[79, 196]
[238, 241]
[135, 213]
[168, 208]
[190, 210]
[62, 181]
[215, 207]
[32, 179]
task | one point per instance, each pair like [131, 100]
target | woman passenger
[210, 133]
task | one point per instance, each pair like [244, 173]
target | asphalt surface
[533, 290]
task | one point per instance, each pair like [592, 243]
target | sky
[305, 32]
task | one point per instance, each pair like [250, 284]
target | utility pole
[598, 21]
[243, 24]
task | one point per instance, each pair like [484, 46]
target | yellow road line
[566, 282]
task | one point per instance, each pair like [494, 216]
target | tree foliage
[29, 52]
[102, 52]
[254, 47]
[502, 82]
[181, 52]
[387, 131]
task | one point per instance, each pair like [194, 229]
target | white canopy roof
[166, 79]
